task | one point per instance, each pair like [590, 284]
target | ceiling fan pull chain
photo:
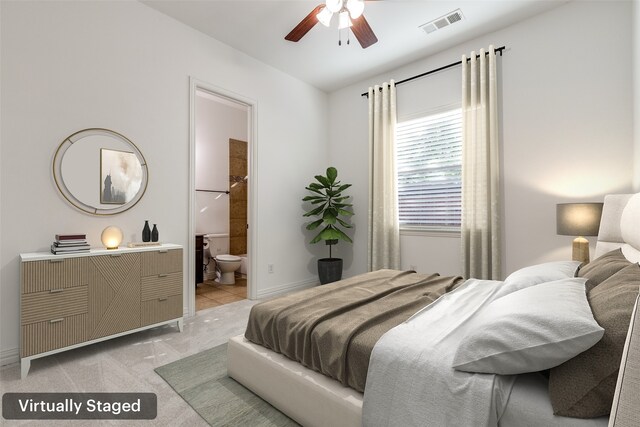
[339, 37]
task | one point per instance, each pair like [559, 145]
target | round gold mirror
[100, 172]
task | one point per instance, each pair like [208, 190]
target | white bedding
[405, 383]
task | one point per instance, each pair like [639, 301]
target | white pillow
[536, 274]
[530, 330]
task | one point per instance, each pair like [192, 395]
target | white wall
[636, 92]
[123, 66]
[216, 123]
[567, 129]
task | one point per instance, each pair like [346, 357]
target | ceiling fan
[349, 16]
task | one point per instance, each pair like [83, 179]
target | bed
[311, 398]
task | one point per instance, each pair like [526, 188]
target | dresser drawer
[38, 276]
[54, 304]
[113, 267]
[161, 261]
[161, 286]
[52, 334]
[160, 309]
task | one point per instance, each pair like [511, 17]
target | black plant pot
[329, 270]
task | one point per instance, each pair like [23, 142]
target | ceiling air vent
[443, 21]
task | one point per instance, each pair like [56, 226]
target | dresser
[68, 301]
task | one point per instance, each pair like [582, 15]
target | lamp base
[580, 250]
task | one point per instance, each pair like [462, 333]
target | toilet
[226, 265]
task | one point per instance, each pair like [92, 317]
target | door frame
[252, 185]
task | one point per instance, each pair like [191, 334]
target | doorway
[222, 197]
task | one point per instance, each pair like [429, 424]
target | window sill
[426, 232]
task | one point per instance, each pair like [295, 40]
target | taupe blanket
[332, 328]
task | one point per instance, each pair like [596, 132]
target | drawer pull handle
[163, 275]
[162, 299]
[52, 261]
[56, 320]
[163, 251]
[116, 255]
[56, 291]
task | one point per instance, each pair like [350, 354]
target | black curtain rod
[214, 191]
[453, 64]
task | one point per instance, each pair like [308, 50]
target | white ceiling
[258, 27]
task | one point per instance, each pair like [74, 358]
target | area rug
[202, 381]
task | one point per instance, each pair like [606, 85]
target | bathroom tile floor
[211, 294]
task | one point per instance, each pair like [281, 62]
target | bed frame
[306, 396]
[313, 399]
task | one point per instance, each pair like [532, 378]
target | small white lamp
[111, 237]
[578, 219]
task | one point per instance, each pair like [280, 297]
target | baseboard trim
[7, 357]
[288, 287]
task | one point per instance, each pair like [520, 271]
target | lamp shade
[356, 7]
[578, 219]
[111, 237]
[343, 20]
[324, 17]
[334, 5]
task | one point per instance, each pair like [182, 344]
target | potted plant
[329, 204]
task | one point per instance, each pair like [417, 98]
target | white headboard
[620, 226]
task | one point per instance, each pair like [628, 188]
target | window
[429, 157]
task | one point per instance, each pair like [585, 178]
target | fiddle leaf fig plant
[331, 208]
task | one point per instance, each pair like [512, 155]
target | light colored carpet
[202, 381]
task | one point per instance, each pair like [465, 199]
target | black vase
[146, 232]
[154, 233]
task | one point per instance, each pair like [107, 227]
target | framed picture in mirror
[120, 176]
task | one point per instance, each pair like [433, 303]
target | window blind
[428, 159]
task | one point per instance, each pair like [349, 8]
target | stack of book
[69, 244]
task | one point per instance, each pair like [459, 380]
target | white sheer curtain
[480, 230]
[384, 230]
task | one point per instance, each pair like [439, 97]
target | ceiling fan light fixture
[356, 7]
[344, 21]
[334, 5]
[346, 11]
[324, 17]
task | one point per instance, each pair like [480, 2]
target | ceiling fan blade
[304, 26]
[363, 32]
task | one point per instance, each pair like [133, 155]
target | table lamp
[111, 237]
[579, 219]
